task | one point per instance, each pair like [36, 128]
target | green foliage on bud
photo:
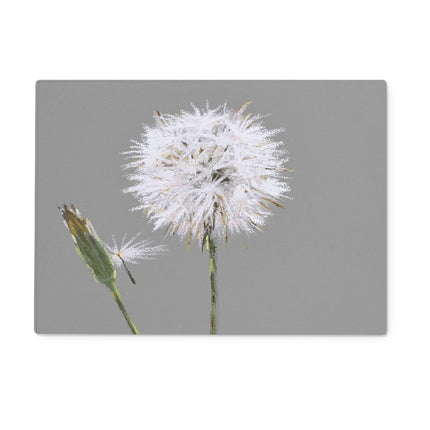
[89, 246]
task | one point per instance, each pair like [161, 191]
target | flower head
[208, 172]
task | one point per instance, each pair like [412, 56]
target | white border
[51, 382]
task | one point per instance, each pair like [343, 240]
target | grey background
[320, 265]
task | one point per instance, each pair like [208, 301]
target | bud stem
[116, 295]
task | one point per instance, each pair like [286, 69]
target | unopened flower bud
[89, 246]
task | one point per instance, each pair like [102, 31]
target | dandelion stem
[116, 295]
[214, 291]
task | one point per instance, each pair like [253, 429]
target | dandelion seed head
[211, 170]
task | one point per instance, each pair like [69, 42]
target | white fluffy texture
[133, 250]
[212, 171]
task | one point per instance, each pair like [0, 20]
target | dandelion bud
[89, 246]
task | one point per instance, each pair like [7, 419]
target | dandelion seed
[132, 251]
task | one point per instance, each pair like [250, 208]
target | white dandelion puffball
[133, 250]
[208, 172]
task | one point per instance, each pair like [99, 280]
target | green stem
[214, 290]
[117, 296]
